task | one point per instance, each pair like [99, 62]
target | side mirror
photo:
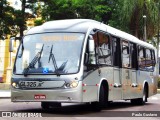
[92, 59]
[91, 46]
[11, 44]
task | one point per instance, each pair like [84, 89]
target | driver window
[104, 49]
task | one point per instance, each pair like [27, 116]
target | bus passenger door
[126, 69]
[117, 86]
[117, 83]
[134, 65]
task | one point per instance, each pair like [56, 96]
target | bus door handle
[134, 85]
[117, 85]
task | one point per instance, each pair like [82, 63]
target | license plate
[40, 96]
[30, 84]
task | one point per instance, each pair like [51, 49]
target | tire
[140, 101]
[143, 100]
[103, 100]
[45, 105]
[48, 105]
[55, 104]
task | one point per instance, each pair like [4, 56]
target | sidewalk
[5, 94]
[5, 91]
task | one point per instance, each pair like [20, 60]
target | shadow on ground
[82, 110]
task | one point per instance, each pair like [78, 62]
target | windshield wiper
[53, 60]
[61, 68]
[33, 62]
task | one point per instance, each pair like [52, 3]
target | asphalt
[7, 93]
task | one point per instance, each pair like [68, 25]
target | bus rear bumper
[55, 95]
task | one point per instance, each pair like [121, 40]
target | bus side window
[141, 58]
[153, 59]
[104, 49]
[134, 61]
[116, 52]
[149, 60]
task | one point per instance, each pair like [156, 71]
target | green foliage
[129, 15]
[6, 18]
[38, 22]
[84, 9]
[57, 9]
[126, 15]
[69, 9]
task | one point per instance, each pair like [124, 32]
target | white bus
[82, 61]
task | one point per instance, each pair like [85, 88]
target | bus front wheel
[45, 105]
[103, 100]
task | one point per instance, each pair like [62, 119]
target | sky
[17, 5]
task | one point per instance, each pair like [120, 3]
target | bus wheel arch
[105, 84]
[102, 96]
[143, 99]
[145, 91]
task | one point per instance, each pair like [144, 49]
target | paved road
[121, 109]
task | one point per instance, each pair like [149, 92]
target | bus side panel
[90, 90]
[116, 91]
[145, 76]
[126, 81]
[92, 82]
[155, 77]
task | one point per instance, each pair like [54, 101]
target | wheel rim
[144, 96]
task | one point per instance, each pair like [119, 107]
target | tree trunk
[23, 17]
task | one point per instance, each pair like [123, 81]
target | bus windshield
[49, 53]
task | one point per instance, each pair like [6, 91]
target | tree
[129, 14]
[57, 9]
[84, 9]
[67, 9]
[103, 10]
[21, 21]
[6, 19]
[38, 22]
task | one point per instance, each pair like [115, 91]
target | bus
[82, 61]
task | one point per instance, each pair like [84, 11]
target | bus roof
[83, 25]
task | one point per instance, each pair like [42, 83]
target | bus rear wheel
[141, 101]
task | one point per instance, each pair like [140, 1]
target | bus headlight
[15, 85]
[74, 84]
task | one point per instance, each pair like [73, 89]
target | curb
[5, 94]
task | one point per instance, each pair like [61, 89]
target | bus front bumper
[69, 95]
